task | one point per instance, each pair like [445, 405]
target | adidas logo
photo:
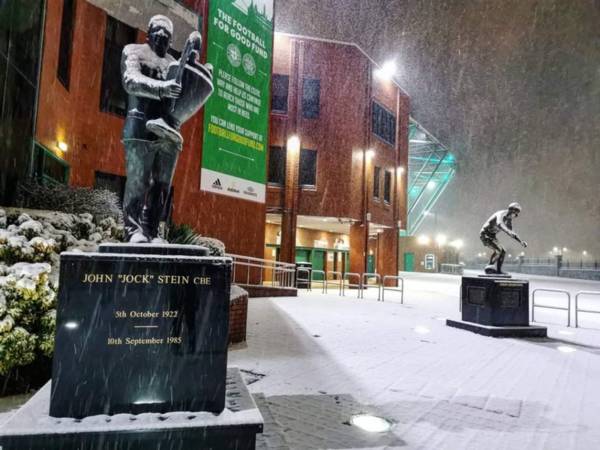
[217, 184]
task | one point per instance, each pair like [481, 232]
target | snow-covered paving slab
[443, 387]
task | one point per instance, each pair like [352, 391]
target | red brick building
[83, 112]
[340, 201]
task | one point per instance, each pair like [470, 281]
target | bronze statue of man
[162, 94]
[499, 221]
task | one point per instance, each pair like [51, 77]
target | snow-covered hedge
[30, 244]
[69, 199]
[27, 314]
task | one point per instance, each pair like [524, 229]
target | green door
[409, 262]
[318, 262]
[371, 264]
[302, 255]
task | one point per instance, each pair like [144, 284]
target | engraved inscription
[476, 295]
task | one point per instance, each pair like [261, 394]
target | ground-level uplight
[370, 423]
[566, 349]
[421, 329]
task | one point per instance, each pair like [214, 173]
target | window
[376, 179]
[311, 98]
[308, 167]
[383, 124]
[110, 182]
[277, 166]
[279, 98]
[63, 72]
[49, 168]
[387, 187]
[113, 97]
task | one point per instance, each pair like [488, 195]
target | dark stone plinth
[155, 249]
[495, 301]
[140, 333]
[503, 331]
[31, 428]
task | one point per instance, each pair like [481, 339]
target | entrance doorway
[409, 262]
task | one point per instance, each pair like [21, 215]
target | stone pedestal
[496, 306]
[235, 428]
[140, 332]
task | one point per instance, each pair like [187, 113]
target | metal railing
[323, 280]
[255, 271]
[330, 281]
[453, 269]
[561, 308]
[365, 283]
[347, 277]
[392, 288]
[577, 310]
[306, 280]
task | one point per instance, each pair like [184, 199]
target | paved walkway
[442, 387]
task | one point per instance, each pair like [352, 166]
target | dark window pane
[308, 167]
[48, 167]
[25, 37]
[376, 179]
[311, 98]
[387, 186]
[277, 166]
[113, 97]
[383, 124]
[279, 98]
[66, 43]
[110, 182]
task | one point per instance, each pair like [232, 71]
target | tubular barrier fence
[335, 281]
[282, 274]
[306, 281]
[578, 310]
[365, 284]
[323, 280]
[392, 288]
[561, 308]
[347, 277]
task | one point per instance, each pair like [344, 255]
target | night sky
[512, 87]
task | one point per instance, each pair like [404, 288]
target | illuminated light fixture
[565, 249]
[400, 170]
[423, 240]
[372, 424]
[458, 244]
[387, 71]
[555, 249]
[370, 153]
[421, 329]
[566, 349]
[62, 146]
[71, 325]
[293, 144]
[584, 253]
[522, 254]
[441, 240]
[431, 185]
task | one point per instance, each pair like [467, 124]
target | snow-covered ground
[443, 387]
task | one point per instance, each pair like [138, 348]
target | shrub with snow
[27, 314]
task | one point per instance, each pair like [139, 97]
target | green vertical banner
[236, 117]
